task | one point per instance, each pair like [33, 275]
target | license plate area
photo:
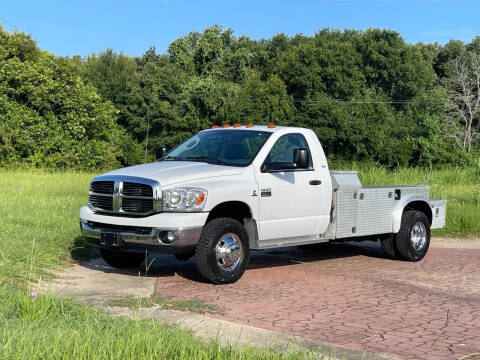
[110, 239]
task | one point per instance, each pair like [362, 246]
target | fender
[400, 207]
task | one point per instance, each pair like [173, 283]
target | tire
[222, 240]
[122, 260]
[388, 247]
[413, 239]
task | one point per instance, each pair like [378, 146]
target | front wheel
[223, 251]
[413, 239]
[122, 260]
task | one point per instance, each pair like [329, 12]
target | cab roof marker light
[214, 126]
[237, 125]
[249, 125]
[226, 125]
[271, 126]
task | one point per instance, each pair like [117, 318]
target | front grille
[124, 197]
[120, 228]
[137, 205]
[137, 189]
[101, 202]
[102, 187]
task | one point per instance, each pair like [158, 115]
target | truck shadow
[162, 265]
[167, 265]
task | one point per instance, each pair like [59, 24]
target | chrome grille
[122, 195]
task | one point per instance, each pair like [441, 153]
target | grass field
[39, 229]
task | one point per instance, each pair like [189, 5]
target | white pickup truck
[229, 190]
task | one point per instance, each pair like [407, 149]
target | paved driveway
[350, 295]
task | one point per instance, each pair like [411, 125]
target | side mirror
[278, 167]
[160, 152]
[301, 158]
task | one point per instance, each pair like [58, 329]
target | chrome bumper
[183, 237]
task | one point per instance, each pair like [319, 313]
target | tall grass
[38, 220]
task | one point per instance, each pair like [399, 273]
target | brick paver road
[350, 295]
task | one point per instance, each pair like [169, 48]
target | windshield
[222, 147]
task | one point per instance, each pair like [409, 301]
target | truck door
[289, 200]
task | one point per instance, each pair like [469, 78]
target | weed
[193, 305]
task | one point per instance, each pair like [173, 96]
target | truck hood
[173, 172]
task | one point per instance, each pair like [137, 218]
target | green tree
[48, 116]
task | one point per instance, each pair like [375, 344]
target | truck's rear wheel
[388, 246]
[223, 251]
[413, 239]
[122, 260]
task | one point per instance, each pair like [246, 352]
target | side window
[282, 151]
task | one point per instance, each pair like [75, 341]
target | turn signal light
[201, 198]
[225, 125]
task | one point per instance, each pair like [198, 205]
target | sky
[70, 28]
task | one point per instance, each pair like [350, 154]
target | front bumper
[137, 234]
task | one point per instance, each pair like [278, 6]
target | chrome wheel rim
[229, 252]
[418, 236]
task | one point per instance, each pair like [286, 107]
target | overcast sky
[82, 27]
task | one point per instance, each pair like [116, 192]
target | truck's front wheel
[122, 260]
[223, 251]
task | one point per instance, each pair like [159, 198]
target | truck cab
[232, 189]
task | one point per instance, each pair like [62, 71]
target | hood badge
[254, 193]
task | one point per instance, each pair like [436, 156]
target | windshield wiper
[206, 159]
[173, 158]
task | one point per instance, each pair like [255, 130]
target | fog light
[170, 237]
[166, 237]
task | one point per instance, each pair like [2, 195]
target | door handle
[315, 182]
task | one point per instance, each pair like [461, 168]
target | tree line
[368, 95]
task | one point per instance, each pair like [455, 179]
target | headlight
[184, 199]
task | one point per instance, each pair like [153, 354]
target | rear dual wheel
[411, 243]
